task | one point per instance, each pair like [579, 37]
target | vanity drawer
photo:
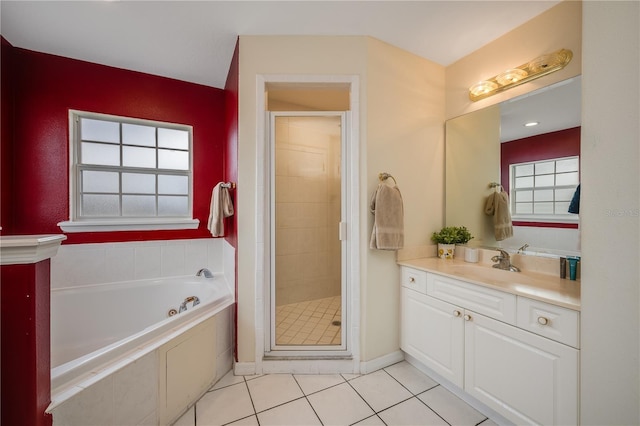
[492, 303]
[554, 322]
[414, 279]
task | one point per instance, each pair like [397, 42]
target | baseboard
[244, 368]
[381, 362]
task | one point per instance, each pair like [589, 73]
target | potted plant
[448, 237]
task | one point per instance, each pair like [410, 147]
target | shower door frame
[347, 361]
[310, 350]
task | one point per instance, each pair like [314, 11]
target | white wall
[557, 28]
[401, 132]
[610, 156]
[404, 137]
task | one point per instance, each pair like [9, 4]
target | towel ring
[384, 176]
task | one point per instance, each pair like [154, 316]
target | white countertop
[543, 287]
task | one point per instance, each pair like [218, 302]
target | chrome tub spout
[207, 273]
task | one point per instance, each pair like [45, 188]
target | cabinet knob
[457, 313]
[412, 280]
[467, 317]
[543, 321]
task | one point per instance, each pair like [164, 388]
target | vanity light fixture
[540, 66]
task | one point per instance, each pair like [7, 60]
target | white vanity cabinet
[494, 346]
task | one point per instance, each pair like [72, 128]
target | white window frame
[564, 217]
[76, 223]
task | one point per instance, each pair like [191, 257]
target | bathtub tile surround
[398, 394]
[85, 264]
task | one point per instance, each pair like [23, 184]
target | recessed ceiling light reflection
[531, 124]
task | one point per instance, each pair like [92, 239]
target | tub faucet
[207, 273]
[504, 262]
[523, 248]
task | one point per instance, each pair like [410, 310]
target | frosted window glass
[545, 168]
[100, 205]
[173, 138]
[524, 170]
[169, 159]
[568, 165]
[100, 181]
[135, 134]
[567, 178]
[139, 205]
[564, 194]
[101, 154]
[524, 182]
[524, 208]
[173, 206]
[173, 184]
[543, 208]
[543, 195]
[546, 180]
[99, 130]
[138, 157]
[522, 196]
[562, 207]
[138, 183]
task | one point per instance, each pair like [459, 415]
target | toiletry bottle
[573, 266]
[563, 267]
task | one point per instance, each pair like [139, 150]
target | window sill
[129, 225]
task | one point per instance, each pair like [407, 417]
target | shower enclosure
[307, 285]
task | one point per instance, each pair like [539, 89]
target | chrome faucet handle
[504, 254]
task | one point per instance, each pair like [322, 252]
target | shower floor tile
[311, 322]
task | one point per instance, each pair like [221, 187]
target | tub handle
[183, 305]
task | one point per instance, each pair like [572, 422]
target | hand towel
[574, 206]
[388, 224]
[221, 207]
[498, 206]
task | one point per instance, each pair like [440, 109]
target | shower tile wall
[307, 209]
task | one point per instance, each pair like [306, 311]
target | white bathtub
[97, 330]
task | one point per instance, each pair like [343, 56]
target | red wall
[563, 143]
[231, 151]
[45, 88]
[6, 133]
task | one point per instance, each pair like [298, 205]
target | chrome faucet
[504, 262]
[207, 273]
[523, 248]
[183, 305]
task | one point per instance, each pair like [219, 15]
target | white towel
[388, 222]
[221, 207]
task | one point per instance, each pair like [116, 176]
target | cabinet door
[432, 331]
[527, 378]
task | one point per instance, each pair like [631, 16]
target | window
[128, 174]
[542, 190]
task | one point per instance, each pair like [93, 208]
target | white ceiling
[194, 41]
[554, 107]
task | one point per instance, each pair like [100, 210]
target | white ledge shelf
[23, 249]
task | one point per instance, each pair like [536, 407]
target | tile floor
[314, 322]
[395, 395]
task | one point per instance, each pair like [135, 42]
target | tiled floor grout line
[307, 399]
[246, 379]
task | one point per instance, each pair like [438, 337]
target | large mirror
[487, 145]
